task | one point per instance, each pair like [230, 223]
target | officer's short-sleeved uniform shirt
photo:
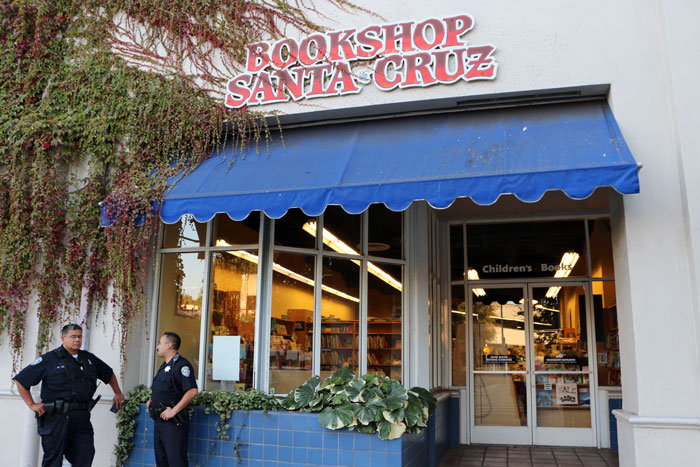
[76, 383]
[172, 381]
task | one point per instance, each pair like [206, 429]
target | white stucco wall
[646, 50]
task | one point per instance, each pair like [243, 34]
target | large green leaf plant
[368, 403]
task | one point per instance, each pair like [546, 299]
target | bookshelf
[609, 373]
[384, 347]
[339, 344]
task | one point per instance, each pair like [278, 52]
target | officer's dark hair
[174, 339]
[70, 327]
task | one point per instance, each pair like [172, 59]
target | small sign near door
[567, 394]
[499, 359]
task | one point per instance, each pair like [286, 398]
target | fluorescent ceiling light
[472, 275]
[568, 261]
[287, 272]
[338, 245]
[502, 319]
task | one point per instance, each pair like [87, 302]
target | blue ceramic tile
[299, 455]
[284, 453]
[315, 456]
[346, 441]
[393, 458]
[300, 438]
[256, 420]
[201, 431]
[242, 435]
[200, 446]
[136, 455]
[256, 435]
[330, 456]
[270, 453]
[362, 441]
[361, 459]
[270, 420]
[286, 420]
[377, 444]
[149, 457]
[255, 463]
[301, 422]
[228, 449]
[377, 459]
[393, 445]
[315, 440]
[346, 458]
[314, 424]
[269, 464]
[284, 464]
[330, 440]
[255, 451]
[270, 436]
[243, 451]
[285, 438]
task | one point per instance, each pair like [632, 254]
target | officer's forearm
[25, 394]
[186, 398]
[115, 385]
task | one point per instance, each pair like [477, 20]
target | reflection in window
[291, 324]
[527, 249]
[180, 308]
[384, 313]
[560, 333]
[340, 312]
[459, 337]
[499, 330]
[232, 312]
[185, 233]
[290, 232]
[385, 232]
[228, 232]
[341, 231]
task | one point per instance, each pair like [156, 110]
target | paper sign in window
[567, 394]
[226, 358]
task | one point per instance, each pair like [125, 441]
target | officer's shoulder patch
[37, 361]
[185, 371]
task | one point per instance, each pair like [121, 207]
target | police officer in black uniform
[173, 388]
[69, 380]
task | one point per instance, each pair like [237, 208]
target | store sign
[567, 394]
[404, 55]
[499, 359]
[509, 268]
[561, 361]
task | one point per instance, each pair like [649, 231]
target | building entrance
[530, 378]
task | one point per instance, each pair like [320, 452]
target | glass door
[499, 366]
[562, 389]
[530, 377]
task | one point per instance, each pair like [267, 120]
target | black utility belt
[61, 407]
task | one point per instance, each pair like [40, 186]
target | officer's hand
[168, 414]
[38, 408]
[148, 404]
[119, 400]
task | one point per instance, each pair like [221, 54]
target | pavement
[522, 456]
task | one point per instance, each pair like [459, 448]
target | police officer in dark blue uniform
[173, 388]
[69, 380]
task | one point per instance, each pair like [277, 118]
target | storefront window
[601, 248]
[554, 249]
[384, 313]
[291, 323]
[181, 290]
[607, 337]
[290, 231]
[342, 232]
[228, 232]
[232, 319]
[385, 232]
[456, 253]
[185, 233]
[459, 336]
[340, 314]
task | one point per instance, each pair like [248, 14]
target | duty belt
[61, 406]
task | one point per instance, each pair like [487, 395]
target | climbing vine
[101, 102]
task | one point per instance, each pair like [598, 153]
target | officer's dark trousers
[170, 443]
[70, 435]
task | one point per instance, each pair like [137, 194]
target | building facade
[494, 199]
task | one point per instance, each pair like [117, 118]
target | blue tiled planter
[281, 439]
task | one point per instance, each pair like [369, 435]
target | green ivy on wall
[101, 101]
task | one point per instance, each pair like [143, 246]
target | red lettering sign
[410, 54]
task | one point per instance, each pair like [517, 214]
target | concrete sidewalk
[521, 456]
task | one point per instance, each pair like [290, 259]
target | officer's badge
[185, 371]
[37, 361]
[167, 369]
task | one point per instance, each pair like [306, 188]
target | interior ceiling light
[472, 275]
[338, 245]
[568, 261]
[287, 272]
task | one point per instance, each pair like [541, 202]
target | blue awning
[438, 158]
